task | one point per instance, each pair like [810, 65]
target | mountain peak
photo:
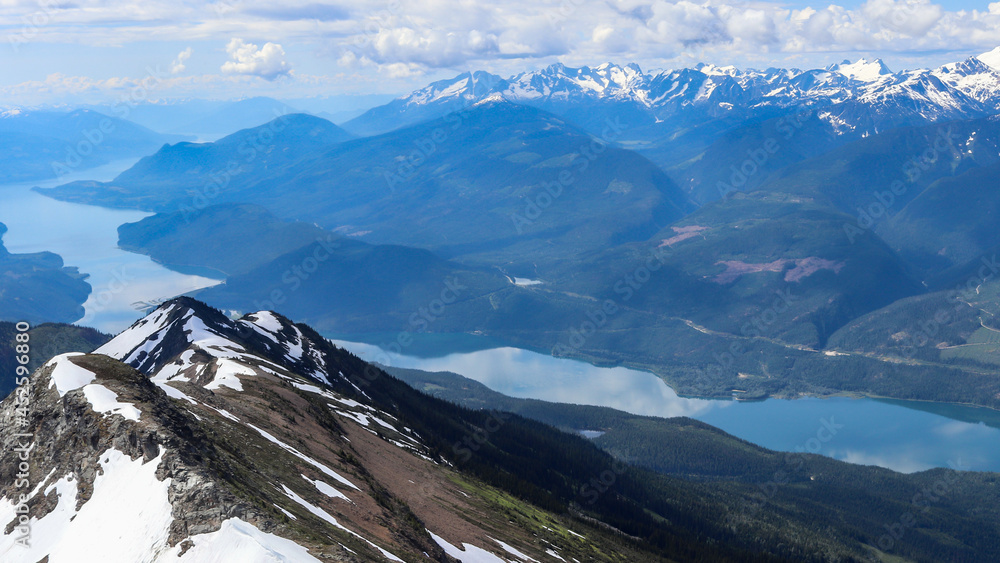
[302, 127]
[494, 99]
[185, 338]
[713, 70]
[465, 86]
[991, 58]
[862, 70]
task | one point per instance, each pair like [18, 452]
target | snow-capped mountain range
[861, 94]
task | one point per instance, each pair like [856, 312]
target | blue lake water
[87, 238]
[903, 436]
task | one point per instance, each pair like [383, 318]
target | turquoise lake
[87, 238]
[899, 435]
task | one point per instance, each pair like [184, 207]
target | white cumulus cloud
[267, 62]
[177, 66]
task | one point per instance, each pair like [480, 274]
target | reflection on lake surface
[899, 435]
[87, 237]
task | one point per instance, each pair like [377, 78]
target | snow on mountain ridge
[991, 58]
[961, 90]
[863, 70]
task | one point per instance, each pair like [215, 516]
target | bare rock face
[71, 438]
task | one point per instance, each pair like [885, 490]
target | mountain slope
[259, 433]
[432, 102]
[950, 223]
[260, 428]
[46, 341]
[501, 182]
[928, 191]
[754, 254]
[693, 450]
[190, 176]
[39, 288]
[35, 145]
[231, 239]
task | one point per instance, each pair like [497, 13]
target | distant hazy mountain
[299, 269]
[231, 239]
[36, 145]
[930, 192]
[38, 288]
[191, 176]
[205, 119]
[497, 180]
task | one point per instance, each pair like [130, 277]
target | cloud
[267, 62]
[901, 462]
[912, 18]
[408, 41]
[400, 70]
[177, 66]
[430, 47]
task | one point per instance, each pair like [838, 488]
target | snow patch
[110, 526]
[324, 515]
[327, 489]
[863, 70]
[239, 541]
[226, 375]
[991, 59]
[469, 553]
[267, 321]
[126, 345]
[329, 472]
[67, 376]
[104, 401]
[513, 551]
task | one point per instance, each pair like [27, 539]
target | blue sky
[99, 50]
